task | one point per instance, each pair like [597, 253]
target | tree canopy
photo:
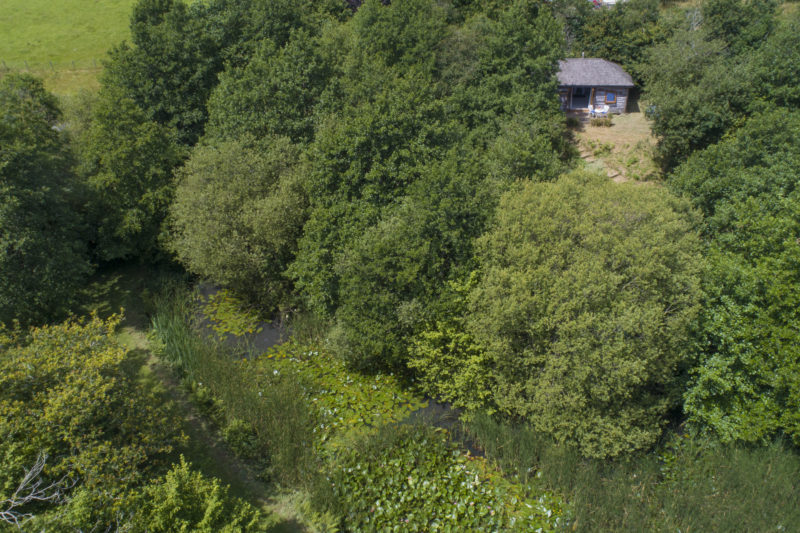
[42, 253]
[745, 386]
[238, 213]
[588, 289]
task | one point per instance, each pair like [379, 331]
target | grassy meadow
[64, 42]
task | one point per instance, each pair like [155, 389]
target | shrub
[604, 122]
[588, 290]
[65, 393]
[184, 500]
[451, 364]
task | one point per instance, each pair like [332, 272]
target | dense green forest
[396, 184]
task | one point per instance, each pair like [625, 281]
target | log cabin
[592, 81]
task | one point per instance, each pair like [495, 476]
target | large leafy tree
[741, 24]
[171, 67]
[42, 256]
[178, 50]
[730, 59]
[588, 290]
[623, 34]
[154, 103]
[238, 213]
[697, 93]
[274, 94]
[404, 261]
[128, 161]
[363, 161]
[776, 65]
[419, 130]
[747, 382]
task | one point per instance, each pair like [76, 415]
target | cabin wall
[620, 98]
[619, 104]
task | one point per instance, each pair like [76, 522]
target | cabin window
[611, 98]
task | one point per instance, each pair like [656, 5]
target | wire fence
[50, 66]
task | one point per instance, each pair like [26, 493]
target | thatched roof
[592, 72]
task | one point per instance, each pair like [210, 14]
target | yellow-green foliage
[454, 367]
[342, 399]
[229, 314]
[185, 500]
[450, 362]
[589, 289]
[64, 392]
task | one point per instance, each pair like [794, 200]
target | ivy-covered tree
[42, 255]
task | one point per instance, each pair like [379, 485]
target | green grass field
[63, 42]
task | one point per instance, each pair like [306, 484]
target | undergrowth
[264, 415]
[312, 425]
[690, 484]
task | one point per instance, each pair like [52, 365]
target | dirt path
[205, 448]
[130, 286]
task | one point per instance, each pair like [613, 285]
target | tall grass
[266, 413]
[690, 485]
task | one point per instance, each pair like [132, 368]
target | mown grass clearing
[624, 151]
[63, 42]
